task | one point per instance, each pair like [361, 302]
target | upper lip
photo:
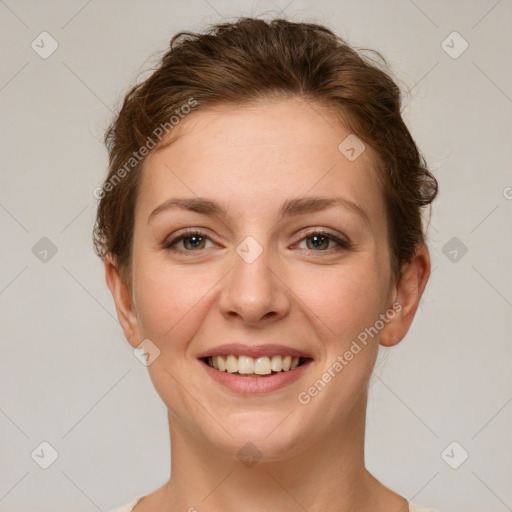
[238, 349]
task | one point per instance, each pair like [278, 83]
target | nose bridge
[253, 290]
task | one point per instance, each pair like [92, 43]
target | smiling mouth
[264, 366]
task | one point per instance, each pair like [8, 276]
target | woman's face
[254, 278]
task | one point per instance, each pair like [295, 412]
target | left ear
[407, 293]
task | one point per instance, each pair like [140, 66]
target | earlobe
[408, 292]
[121, 294]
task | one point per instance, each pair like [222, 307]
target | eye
[192, 241]
[320, 241]
[316, 241]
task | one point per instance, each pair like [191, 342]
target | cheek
[171, 305]
[169, 299]
[342, 299]
[343, 303]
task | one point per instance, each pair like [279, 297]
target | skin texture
[318, 299]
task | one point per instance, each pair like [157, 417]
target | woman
[262, 235]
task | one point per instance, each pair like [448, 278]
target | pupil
[197, 240]
[316, 238]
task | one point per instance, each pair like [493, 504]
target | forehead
[248, 157]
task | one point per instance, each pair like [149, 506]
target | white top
[129, 507]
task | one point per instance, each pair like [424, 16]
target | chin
[267, 436]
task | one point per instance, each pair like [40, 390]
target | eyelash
[344, 245]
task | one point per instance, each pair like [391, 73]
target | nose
[254, 291]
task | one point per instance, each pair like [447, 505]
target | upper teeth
[260, 365]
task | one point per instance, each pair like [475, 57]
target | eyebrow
[290, 208]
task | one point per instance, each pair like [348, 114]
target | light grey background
[68, 377]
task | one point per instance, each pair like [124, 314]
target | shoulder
[128, 507]
[415, 508]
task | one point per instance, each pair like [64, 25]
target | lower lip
[255, 385]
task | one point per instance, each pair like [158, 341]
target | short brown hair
[254, 59]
